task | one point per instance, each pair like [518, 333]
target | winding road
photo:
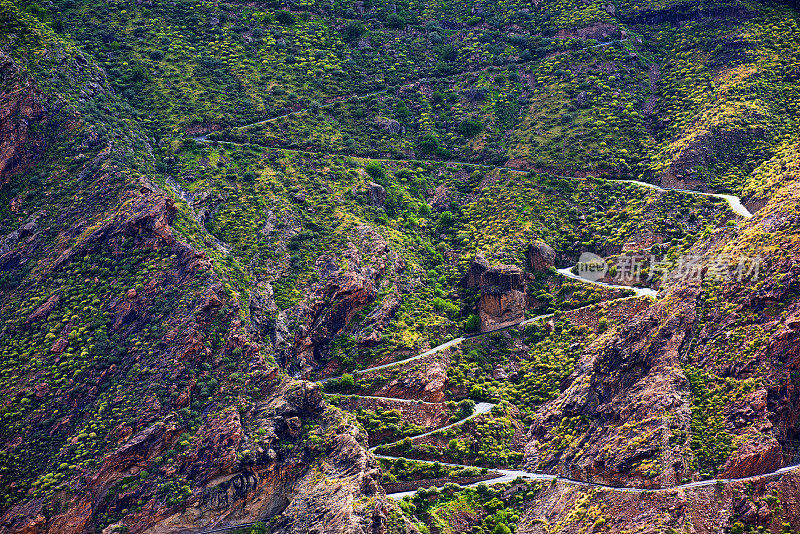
[734, 202]
[434, 350]
[480, 409]
[507, 475]
[640, 291]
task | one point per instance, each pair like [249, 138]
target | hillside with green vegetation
[273, 265]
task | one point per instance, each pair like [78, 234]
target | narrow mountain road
[508, 475]
[640, 291]
[434, 350]
[734, 202]
[480, 409]
[443, 346]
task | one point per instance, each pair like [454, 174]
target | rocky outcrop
[599, 31]
[472, 278]
[330, 307]
[502, 292]
[761, 455]
[541, 256]
[503, 298]
[267, 320]
[341, 292]
[377, 194]
[424, 379]
[22, 112]
[370, 333]
[390, 125]
[229, 478]
[616, 393]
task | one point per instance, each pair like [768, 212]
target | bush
[354, 30]
[470, 128]
[395, 21]
[473, 323]
[446, 220]
[347, 381]
[376, 171]
[285, 17]
[428, 144]
[602, 325]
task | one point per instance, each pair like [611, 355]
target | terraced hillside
[274, 267]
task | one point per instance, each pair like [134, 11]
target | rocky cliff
[137, 395]
[502, 293]
[698, 384]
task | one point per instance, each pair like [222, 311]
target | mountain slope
[134, 393]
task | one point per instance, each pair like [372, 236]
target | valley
[398, 267]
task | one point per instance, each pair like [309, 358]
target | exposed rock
[427, 384]
[474, 274]
[390, 125]
[22, 113]
[600, 31]
[59, 345]
[267, 319]
[44, 309]
[378, 320]
[377, 194]
[541, 256]
[753, 458]
[503, 298]
[341, 292]
[618, 386]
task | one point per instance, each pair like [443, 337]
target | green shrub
[470, 128]
[285, 17]
[395, 21]
[473, 323]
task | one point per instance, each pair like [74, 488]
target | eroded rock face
[541, 256]
[502, 290]
[21, 108]
[636, 398]
[232, 478]
[472, 278]
[624, 395]
[341, 292]
[428, 384]
[377, 194]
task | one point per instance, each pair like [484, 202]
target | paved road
[480, 409]
[434, 350]
[507, 475]
[734, 202]
[640, 291]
